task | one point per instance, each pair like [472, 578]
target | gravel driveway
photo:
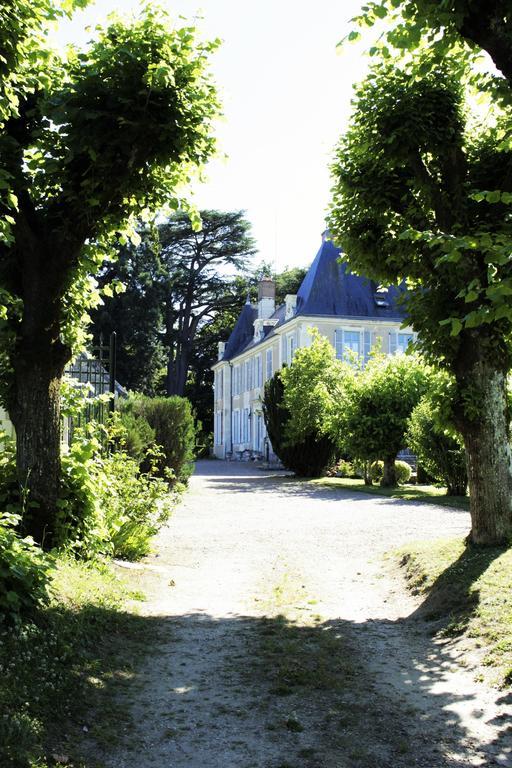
[286, 641]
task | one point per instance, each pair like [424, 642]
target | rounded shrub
[402, 469]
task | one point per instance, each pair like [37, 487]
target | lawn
[427, 493]
[60, 672]
[472, 589]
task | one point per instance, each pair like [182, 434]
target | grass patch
[425, 493]
[60, 672]
[472, 589]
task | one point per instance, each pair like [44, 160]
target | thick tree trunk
[36, 418]
[486, 438]
[177, 370]
[389, 473]
[38, 360]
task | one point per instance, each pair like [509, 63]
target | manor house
[354, 313]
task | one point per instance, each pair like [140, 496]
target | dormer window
[290, 305]
[381, 296]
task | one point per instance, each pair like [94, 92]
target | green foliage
[134, 504]
[310, 456]
[137, 435]
[111, 502]
[80, 526]
[172, 420]
[90, 141]
[411, 199]
[316, 386]
[65, 663]
[24, 573]
[441, 454]
[402, 469]
[102, 135]
[382, 399]
[179, 284]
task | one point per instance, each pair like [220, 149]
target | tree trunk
[389, 473]
[38, 360]
[486, 438]
[366, 473]
[35, 412]
[177, 370]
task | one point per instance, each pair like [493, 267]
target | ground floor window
[236, 426]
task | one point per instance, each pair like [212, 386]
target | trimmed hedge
[172, 421]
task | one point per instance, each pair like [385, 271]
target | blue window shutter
[367, 345]
[392, 342]
[338, 343]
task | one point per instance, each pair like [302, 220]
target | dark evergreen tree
[309, 458]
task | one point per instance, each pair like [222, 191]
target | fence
[96, 368]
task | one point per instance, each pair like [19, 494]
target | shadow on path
[244, 691]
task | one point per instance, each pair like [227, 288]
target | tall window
[345, 341]
[269, 364]
[259, 372]
[246, 426]
[236, 380]
[403, 340]
[236, 426]
[247, 368]
[221, 384]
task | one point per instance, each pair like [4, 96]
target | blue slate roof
[329, 289]
[243, 332]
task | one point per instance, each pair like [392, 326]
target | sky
[286, 91]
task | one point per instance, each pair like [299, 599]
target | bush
[135, 505]
[402, 469]
[342, 468]
[307, 458]
[440, 454]
[138, 435]
[79, 525]
[24, 573]
[172, 420]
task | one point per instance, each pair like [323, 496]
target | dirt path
[282, 641]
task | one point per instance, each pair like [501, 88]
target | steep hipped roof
[330, 289]
[242, 333]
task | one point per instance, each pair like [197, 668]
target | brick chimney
[266, 298]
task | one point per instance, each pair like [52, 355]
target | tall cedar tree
[137, 316]
[88, 140]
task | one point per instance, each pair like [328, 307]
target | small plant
[135, 504]
[24, 573]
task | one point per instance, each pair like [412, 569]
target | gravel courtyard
[286, 640]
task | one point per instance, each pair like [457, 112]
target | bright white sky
[286, 94]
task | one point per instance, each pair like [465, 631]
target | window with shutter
[269, 364]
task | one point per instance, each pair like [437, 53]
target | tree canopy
[422, 192]
[89, 140]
